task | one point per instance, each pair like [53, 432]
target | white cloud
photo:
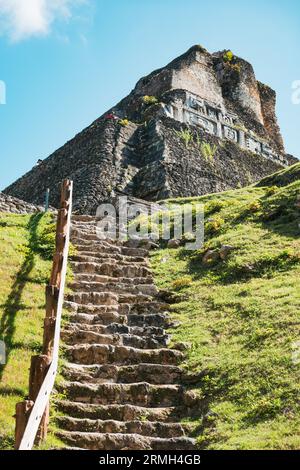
[20, 19]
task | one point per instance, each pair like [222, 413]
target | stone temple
[201, 124]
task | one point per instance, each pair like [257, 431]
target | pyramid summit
[201, 124]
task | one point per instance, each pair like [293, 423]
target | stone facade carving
[214, 119]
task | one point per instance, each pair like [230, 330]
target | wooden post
[23, 410]
[52, 293]
[38, 371]
[40, 364]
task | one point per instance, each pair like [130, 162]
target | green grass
[241, 317]
[26, 246]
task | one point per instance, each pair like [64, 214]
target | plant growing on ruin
[207, 150]
[228, 56]
[149, 100]
[123, 122]
[185, 135]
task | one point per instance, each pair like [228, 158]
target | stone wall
[16, 206]
[176, 170]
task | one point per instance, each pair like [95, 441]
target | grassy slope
[242, 322]
[26, 245]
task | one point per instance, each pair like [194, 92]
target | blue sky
[64, 62]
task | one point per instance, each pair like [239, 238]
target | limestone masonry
[201, 124]
[16, 206]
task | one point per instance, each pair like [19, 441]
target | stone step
[156, 374]
[112, 280]
[152, 429]
[97, 441]
[97, 256]
[77, 218]
[87, 309]
[139, 394]
[148, 290]
[97, 247]
[107, 269]
[93, 298]
[99, 243]
[144, 308]
[123, 412]
[134, 251]
[74, 336]
[106, 247]
[102, 319]
[105, 315]
[119, 328]
[110, 354]
[118, 260]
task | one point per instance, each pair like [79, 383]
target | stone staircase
[122, 385]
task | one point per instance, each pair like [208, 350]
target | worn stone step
[134, 251]
[105, 318]
[97, 246]
[119, 328]
[97, 441]
[152, 429]
[90, 309]
[117, 260]
[142, 308]
[93, 298]
[96, 256]
[123, 412]
[148, 290]
[85, 277]
[108, 269]
[83, 218]
[140, 394]
[74, 336]
[151, 373]
[107, 314]
[109, 354]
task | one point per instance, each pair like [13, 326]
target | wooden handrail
[32, 415]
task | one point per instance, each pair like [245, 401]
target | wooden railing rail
[32, 415]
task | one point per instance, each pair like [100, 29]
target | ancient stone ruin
[16, 206]
[201, 124]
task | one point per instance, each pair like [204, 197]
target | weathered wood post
[40, 364]
[38, 370]
[23, 410]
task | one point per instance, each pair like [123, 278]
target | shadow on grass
[13, 303]
[7, 391]
[6, 442]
